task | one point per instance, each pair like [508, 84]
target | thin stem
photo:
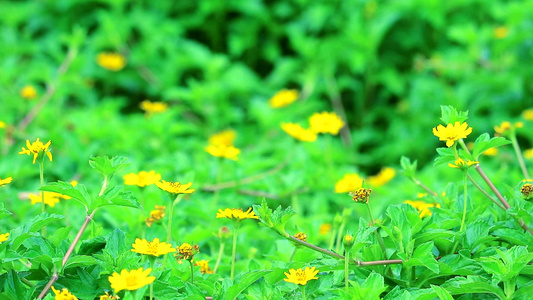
[27, 282]
[346, 267]
[233, 251]
[378, 236]
[293, 253]
[518, 153]
[104, 186]
[219, 258]
[465, 201]
[41, 176]
[192, 271]
[339, 236]
[420, 184]
[303, 292]
[484, 192]
[152, 263]
[170, 217]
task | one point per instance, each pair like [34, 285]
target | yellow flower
[501, 32]
[461, 164]
[2, 124]
[324, 228]
[506, 127]
[298, 132]
[36, 148]
[452, 133]
[326, 122]
[109, 297]
[4, 237]
[204, 266]
[361, 195]
[301, 276]
[5, 181]
[226, 138]
[528, 154]
[301, 236]
[111, 61]
[28, 92]
[528, 114]
[130, 280]
[283, 98]
[142, 179]
[384, 176]
[50, 198]
[155, 215]
[175, 187]
[236, 213]
[422, 207]
[348, 241]
[490, 152]
[224, 151]
[153, 107]
[63, 295]
[526, 190]
[350, 182]
[187, 251]
[154, 247]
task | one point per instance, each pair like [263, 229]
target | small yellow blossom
[348, 241]
[301, 276]
[130, 280]
[154, 247]
[151, 108]
[36, 148]
[155, 215]
[204, 266]
[111, 61]
[236, 213]
[283, 98]
[384, 176]
[350, 182]
[491, 151]
[361, 195]
[229, 152]
[50, 198]
[187, 252]
[422, 207]
[528, 114]
[298, 132]
[4, 237]
[527, 190]
[506, 127]
[225, 137]
[501, 32]
[109, 297]
[461, 164]
[175, 187]
[3, 124]
[28, 92]
[421, 195]
[452, 133]
[63, 295]
[528, 154]
[5, 181]
[142, 179]
[326, 122]
[301, 236]
[324, 228]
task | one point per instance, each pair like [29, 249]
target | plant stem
[219, 258]
[303, 292]
[378, 236]
[420, 184]
[192, 271]
[465, 200]
[41, 176]
[233, 251]
[339, 236]
[484, 192]
[346, 265]
[521, 162]
[170, 217]
[293, 252]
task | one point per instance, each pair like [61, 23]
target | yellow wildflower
[528, 154]
[109, 297]
[298, 132]
[326, 122]
[422, 207]
[28, 92]
[501, 32]
[236, 213]
[301, 236]
[324, 228]
[506, 127]
[63, 295]
[348, 241]
[225, 137]
[361, 195]
[142, 179]
[283, 98]
[452, 133]
[175, 187]
[204, 266]
[2, 124]
[527, 190]
[153, 107]
[528, 114]
[187, 251]
[384, 176]
[111, 61]
[224, 151]
[155, 215]
[491, 151]
[50, 198]
[350, 182]
[154, 247]
[301, 276]
[4, 237]
[5, 181]
[130, 280]
[461, 164]
[36, 148]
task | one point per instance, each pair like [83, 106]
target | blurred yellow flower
[28, 92]
[350, 182]
[301, 236]
[385, 175]
[225, 137]
[63, 295]
[2, 124]
[204, 266]
[155, 215]
[528, 154]
[111, 61]
[301, 276]
[528, 114]
[462, 164]
[422, 207]
[490, 152]
[452, 133]
[109, 297]
[50, 198]
[151, 108]
[324, 228]
[501, 32]
[36, 148]
[298, 132]
[361, 195]
[283, 98]
[175, 187]
[130, 280]
[154, 247]
[326, 122]
[4, 237]
[142, 179]
[224, 151]
[5, 181]
[236, 213]
[187, 251]
[506, 127]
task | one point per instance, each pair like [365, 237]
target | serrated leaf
[243, 282]
[20, 234]
[483, 143]
[472, 284]
[450, 115]
[78, 193]
[441, 293]
[408, 168]
[80, 261]
[117, 196]
[108, 166]
[116, 243]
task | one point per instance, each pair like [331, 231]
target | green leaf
[441, 293]
[108, 166]
[78, 193]
[13, 287]
[275, 220]
[423, 256]
[483, 143]
[450, 115]
[243, 282]
[117, 196]
[408, 168]
[3, 212]
[472, 284]
[30, 228]
[116, 243]
[80, 261]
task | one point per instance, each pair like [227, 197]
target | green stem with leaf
[237, 224]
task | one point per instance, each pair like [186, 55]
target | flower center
[300, 275]
[132, 280]
[152, 248]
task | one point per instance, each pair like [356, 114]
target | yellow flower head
[301, 236]
[298, 132]
[111, 61]
[50, 198]
[422, 207]
[63, 295]
[528, 114]
[350, 182]
[236, 213]
[5, 181]
[28, 92]
[130, 280]
[348, 241]
[324, 228]
[3, 124]
[528, 154]
[109, 297]
[527, 190]
[155, 215]
[384, 176]
[501, 32]
[361, 195]
[154, 247]
[283, 98]
[142, 179]
[506, 127]
[326, 122]
[452, 133]
[204, 266]
[301, 276]
[36, 148]
[175, 187]
[461, 164]
[153, 107]
[229, 152]
[226, 138]
[4, 237]
[187, 251]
